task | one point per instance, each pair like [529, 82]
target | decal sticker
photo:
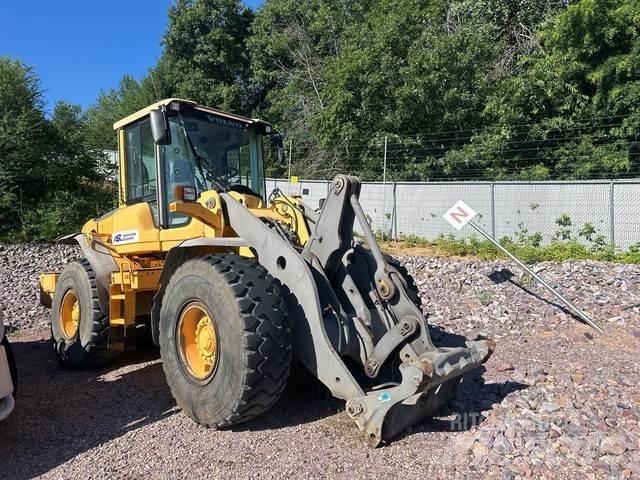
[384, 397]
[225, 121]
[128, 236]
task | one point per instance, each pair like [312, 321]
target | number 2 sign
[459, 215]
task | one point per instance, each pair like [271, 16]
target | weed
[485, 298]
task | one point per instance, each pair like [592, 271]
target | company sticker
[128, 236]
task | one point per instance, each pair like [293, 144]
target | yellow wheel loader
[231, 283]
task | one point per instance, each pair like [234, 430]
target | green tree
[569, 111]
[24, 135]
[291, 45]
[49, 177]
[342, 75]
[205, 54]
[114, 104]
[409, 67]
[75, 186]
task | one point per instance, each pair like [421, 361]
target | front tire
[225, 339]
[79, 328]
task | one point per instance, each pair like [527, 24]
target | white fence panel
[626, 206]
[377, 203]
[311, 191]
[420, 207]
[537, 207]
[506, 208]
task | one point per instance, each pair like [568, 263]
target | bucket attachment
[426, 387]
[352, 302]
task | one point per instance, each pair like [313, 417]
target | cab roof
[168, 102]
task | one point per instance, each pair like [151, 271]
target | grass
[449, 246]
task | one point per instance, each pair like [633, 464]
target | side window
[243, 164]
[141, 164]
[233, 166]
[238, 165]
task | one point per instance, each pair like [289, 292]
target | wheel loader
[233, 285]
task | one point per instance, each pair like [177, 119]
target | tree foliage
[461, 89]
[206, 54]
[48, 173]
[23, 139]
[575, 96]
[500, 89]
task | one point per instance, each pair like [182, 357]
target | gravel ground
[554, 401]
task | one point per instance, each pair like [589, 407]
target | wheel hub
[75, 314]
[69, 314]
[206, 340]
[197, 341]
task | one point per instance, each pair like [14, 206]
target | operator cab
[175, 144]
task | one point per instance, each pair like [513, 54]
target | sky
[79, 47]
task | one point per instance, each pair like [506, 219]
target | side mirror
[160, 127]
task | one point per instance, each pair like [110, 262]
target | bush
[63, 213]
[527, 251]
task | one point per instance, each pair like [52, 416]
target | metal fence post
[612, 228]
[393, 230]
[493, 210]
[384, 187]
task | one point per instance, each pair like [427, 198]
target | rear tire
[410, 283]
[83, 342]
[248, 366]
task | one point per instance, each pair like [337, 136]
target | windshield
[221, 153]
[210, 152]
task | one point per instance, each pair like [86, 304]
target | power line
[379, 140]
[510, 150]
[395, 144]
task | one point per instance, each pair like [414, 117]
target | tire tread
[266, 331]
[94, 352]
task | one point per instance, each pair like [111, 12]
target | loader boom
[322, 284]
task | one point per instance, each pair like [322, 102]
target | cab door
[135, 225]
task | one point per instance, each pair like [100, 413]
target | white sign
[459, 215]
[128, 236]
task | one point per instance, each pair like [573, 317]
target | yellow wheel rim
[70, 314]
[197, 341]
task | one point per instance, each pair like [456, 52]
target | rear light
[186, 193]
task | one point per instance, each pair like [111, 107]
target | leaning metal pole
[559, 296]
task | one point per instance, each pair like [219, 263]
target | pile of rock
[464, 296]
[555, 400]
[570, 423]
[20, 267]
[495, 298]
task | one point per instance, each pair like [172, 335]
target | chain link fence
[583, 210]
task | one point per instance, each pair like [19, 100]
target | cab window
[180, 170]
[141, 164]
[238, 164]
